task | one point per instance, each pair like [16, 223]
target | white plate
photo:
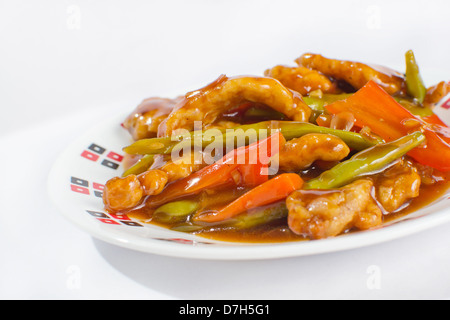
[75, 185]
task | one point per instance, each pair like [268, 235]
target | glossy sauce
[143, 122]
[244, 100]
[277, 231]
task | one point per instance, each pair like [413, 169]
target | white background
[65, 65]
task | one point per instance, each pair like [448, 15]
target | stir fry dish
[304, 152]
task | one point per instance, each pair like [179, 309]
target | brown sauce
[277, 231]
[428, 195]
[152, 118]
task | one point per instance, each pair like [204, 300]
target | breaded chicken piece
[355, 73]
[302, 80]
[300, 153]
[208, 103]
[322, 214]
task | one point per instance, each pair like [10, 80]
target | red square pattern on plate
[115, 156]
[79, 189]
[446, 104]
[89, 155]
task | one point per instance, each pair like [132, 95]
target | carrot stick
[273, 190]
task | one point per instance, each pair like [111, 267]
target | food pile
[308, 151]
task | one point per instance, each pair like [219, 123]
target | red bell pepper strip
[230, 170]
[439, 126]
[273, 190]
[253, 174]
[375, 108]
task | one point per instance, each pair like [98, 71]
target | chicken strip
[302, 80]
[143, 122]
[355, 73]
[322, 214]
[300, 153]
[122, 193]
[206, 104]
[436, 93]
[153, 181]
[397, 185]
[428, 175]
[179, 167]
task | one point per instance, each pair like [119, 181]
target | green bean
[317, 104]
[141, 166]
[247, 220]
[254, 112]
[289, 129]
[187, 227]
[259, 216]
[162, 145]
[414, 108]
[414, 83]
[165, 145]
[366, 162]
[177, 211]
